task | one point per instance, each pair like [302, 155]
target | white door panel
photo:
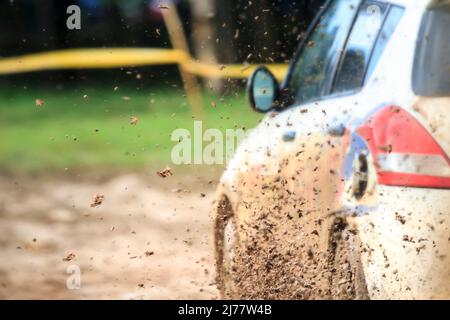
[406, 244]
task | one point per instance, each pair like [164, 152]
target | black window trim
[340, 57]
[303, 42]
[341, 60]
[386, 16]
[415, 71]
[285, 97]
[330, 95]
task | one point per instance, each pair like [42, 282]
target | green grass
[71, 131]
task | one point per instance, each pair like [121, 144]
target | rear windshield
[431, 76]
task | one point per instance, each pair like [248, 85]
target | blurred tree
[203, 35]
[224, 31]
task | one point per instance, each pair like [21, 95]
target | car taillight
[404, 152]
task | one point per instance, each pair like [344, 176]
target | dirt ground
[151, 238]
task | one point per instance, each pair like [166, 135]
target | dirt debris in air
[53, 210]
[69, 257]
[39, 102]
[97, 200]
[166, 172]
[400, 218]
[290, 241]
[134, 120]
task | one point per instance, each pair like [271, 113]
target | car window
[312, 73]
[391, 22]
[431, 75]
[359, 46]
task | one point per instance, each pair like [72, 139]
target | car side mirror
[262, 90]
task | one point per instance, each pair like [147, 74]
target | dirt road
[151, 238]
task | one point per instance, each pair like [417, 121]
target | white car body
[404, 232]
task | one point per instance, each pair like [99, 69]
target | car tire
[226, 242]
[347, 279]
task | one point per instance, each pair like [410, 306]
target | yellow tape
[126, 57]
[233, 71]
[91, 59]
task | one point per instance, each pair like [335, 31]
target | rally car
[342, 191]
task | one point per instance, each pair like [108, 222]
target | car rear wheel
[226, 243]
[347, 280]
